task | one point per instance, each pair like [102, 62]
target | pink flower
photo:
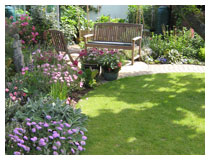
[10, 94]
[15, 88]
[36, 34]
[23, 69]
[23, 73]
[22, 18]
[29, 18]
[6, 90]
[81, 84]
[33, 28]
[11, 17]
[26, 68]
[75, 76]
[15, 93]
[13, 98]
[23, 42]
[68, 84]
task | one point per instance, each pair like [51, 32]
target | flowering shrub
[91, 56]
[15, 91]
[46, 137]
[40, 57]
[25, 28]
[111, 61]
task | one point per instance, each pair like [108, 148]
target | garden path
[141, 68]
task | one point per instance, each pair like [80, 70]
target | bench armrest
[88, 35]
[137, 38]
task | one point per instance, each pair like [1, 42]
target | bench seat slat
[110, 43]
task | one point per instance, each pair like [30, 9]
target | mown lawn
[159, 114]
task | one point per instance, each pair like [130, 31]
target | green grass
[159, 114]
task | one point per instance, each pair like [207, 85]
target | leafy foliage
[57, 109]
[176, 45]
[90, 77]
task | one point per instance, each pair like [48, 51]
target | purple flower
[46, 125]
[84, 137]
[20, 145]
[74, 130]
[55, 153]
[67, 125]
[16, 132]
[76, 143]
[51, 137]
[26, 138]
[46, 139]
[33, 130]
[21, 141]
[62, 151]
[62, 137]
[33, 123]
[54, 148]
[72, 150]
[34, 139]
[82, 133]
[27, 149]
[41, 123]
[28, 124]
[28, 119]
[49, 130]
[59, 128]
[38, 148]
[10, 135]
[58, 143]
[80, 148]
[82, 143]
[21, 129]
[70, 132]
[61, 125]
[42, 142]
[54, 122]
[16, 153]
[48, 117]
[38, 127]
[55, 135]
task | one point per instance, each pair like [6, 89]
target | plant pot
[110, 76]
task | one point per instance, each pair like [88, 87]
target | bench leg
[133, 50]
[139, 50]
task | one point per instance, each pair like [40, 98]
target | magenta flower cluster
[68, 74]
[14, 91]
[49, 137]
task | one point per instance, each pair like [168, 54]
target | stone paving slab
[141, 68]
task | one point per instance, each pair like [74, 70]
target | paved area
[141, 68]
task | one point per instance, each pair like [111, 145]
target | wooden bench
[117, 36]
[60, 45]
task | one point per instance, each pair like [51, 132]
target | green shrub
[90, 77]
[201, 54]
[186, 42]
[57, 109]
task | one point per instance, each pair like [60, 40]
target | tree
[194, 16]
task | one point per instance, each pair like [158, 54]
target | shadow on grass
[172, 123]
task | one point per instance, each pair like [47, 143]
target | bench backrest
[58, 40]
[117, 32]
